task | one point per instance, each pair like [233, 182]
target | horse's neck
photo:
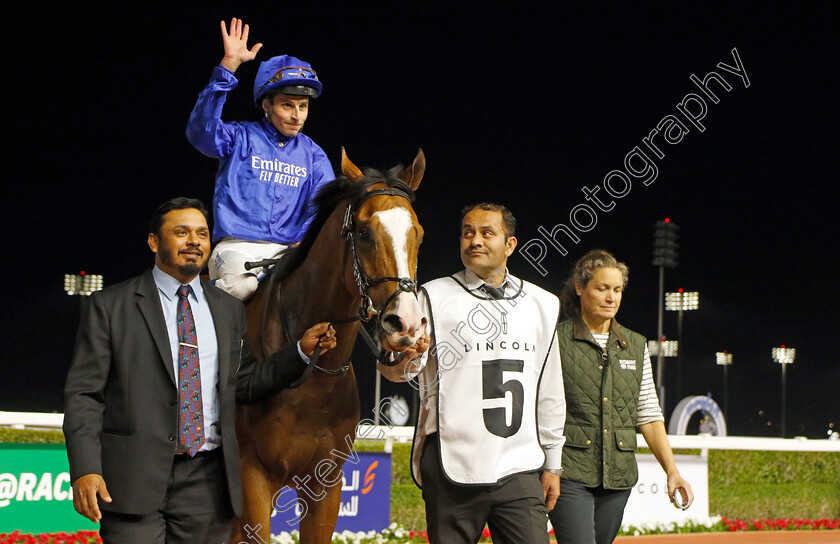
[318, 291]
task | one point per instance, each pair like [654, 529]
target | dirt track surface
[757, 537]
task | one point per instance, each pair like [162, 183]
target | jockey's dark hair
[332, 195]
[277, 91]
[508, 220]
[177, 203]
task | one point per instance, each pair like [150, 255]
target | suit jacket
[121, 407]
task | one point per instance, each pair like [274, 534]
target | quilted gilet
[602, 391]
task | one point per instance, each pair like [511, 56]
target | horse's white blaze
[397, 221]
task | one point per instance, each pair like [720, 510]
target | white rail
[391, 435]
[705, 441]
[32, 420]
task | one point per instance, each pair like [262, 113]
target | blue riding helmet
[287, 75]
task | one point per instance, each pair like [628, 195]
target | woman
[609, 392]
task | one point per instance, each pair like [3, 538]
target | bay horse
[358, 258]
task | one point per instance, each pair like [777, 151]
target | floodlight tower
[784, 356]
[724, 358]
[665, 246]
[681, 301]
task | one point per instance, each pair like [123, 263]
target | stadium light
[670, 348]
[82, 284]
[665, 245]
[784, 355]
[682, 301]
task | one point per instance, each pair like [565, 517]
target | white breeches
[227, 265]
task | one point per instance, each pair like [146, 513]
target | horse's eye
[364, 234]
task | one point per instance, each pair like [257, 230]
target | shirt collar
[581, 331]
[474, 282]
[168, 285]
[273, 134]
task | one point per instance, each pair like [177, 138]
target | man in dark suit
[151, 393]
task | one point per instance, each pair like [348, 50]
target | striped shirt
[647, 405]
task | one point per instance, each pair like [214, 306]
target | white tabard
[500, 400]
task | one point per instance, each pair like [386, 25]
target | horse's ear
[350, 170]
[414, 173]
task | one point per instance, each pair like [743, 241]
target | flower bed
[399, 535]
[81, 537]
[714, 524]
[722, 524]
[780, 524]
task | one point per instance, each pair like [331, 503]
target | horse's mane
[328, 198]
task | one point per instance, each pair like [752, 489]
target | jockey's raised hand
[236, 45]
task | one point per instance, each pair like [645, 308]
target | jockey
[268, 171]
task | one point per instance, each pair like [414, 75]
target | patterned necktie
[190, 411]
[495, 293]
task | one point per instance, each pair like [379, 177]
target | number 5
[494, 387]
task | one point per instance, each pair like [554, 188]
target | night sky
[524, 106]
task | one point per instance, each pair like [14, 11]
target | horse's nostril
[392, 323]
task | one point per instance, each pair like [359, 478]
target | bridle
[364, 282]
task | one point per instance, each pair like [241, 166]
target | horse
[358, 258]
